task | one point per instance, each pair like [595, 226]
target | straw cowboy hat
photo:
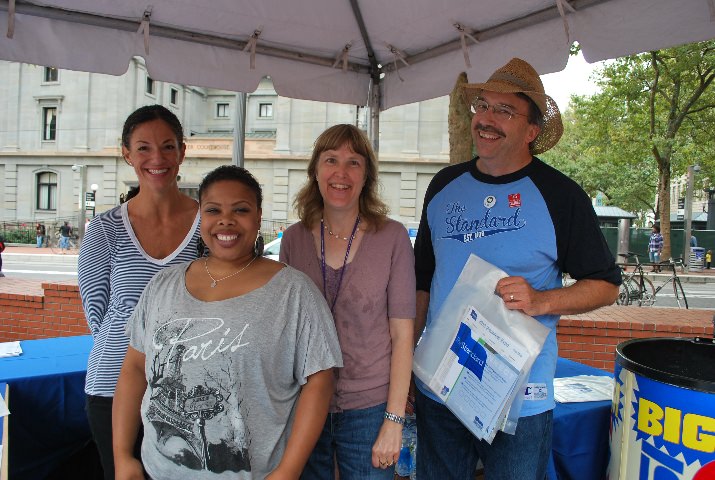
[518, 76]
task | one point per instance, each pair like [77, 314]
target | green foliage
[19, 235]
[654, 116]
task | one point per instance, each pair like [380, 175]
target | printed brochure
[478, 374]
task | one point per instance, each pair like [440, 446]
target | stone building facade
[60, 138]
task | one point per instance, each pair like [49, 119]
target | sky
[572, 80]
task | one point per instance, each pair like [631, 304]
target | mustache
[489, 128]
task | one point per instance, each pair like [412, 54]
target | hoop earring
[201, 249]
[258, 246]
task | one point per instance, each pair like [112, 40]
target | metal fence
[24, 231]
[270, 228]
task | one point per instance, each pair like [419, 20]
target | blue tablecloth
[3, 428]
[580, 441]
[47, 422]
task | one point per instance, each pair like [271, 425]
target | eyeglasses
[501, 112]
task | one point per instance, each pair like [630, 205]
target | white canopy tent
[364, 52]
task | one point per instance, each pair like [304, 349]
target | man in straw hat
[533, 222]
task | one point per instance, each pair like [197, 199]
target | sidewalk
[31, 254]
[26, 253]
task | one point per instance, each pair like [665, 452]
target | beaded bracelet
[395, 418]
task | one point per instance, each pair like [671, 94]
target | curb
[684, 277]
[71, 259]
[68, 259]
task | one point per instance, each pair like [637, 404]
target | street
[47, 268]
[54, 268]
[699, 295]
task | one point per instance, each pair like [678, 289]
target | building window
[51, 75]
[174, 96]
[149, 85]
[265, 110]
[49, 123]
[46, 191]
[222, 110]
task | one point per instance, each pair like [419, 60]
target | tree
[653, 117]
[459, 121]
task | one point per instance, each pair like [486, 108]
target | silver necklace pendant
[214, 281]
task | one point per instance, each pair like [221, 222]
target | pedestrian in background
[655, 247]
[40, 232]
[2, 249]
[65, 232]
[708, 258]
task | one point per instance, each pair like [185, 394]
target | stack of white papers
[10, 349]
[583, 388]
[3, 411]
[478, 374]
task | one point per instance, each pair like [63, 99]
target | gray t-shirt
[224, 377]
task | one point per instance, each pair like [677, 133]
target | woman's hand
[128, 469]
[386, 449]
[279, 474]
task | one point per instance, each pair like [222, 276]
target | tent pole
[375, 99]
[239, 130]
[374, 127]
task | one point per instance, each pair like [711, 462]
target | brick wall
[591, 338]
[28, 312]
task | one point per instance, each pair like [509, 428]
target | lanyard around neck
[345, 262]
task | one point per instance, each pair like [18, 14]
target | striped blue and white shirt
[113, 270]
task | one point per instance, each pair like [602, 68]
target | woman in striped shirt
[122, 250]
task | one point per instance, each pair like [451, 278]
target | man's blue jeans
[447, 450]
[349, 437]
[654, 257]
[65, 243]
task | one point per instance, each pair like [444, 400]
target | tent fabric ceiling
[207, 42]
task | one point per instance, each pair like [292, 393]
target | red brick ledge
[592, 337]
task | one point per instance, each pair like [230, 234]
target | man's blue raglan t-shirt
[535, 223]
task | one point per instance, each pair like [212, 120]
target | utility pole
[239, 130]
[688, 217]
[82, 170]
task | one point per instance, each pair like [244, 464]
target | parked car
[273, 248]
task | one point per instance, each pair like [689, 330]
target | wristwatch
[394, 418]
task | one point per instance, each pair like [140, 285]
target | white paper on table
[10, 349]
[478, 374]
[4, 411]
[583, 388]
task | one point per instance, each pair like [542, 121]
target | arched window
[47, 191]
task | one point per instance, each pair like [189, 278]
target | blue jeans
[348, 437]
[65, 243]
[447, 450]
[40, 241]
[654, 257]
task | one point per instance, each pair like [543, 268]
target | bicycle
[53, 242]
[636, 287]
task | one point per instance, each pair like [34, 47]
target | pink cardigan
[379, 284]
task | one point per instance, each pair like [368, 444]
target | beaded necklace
[345, 262]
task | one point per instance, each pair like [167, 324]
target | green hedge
[19, 235]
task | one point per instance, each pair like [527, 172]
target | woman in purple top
[363, 263]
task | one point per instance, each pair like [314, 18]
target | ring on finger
[511, 298]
